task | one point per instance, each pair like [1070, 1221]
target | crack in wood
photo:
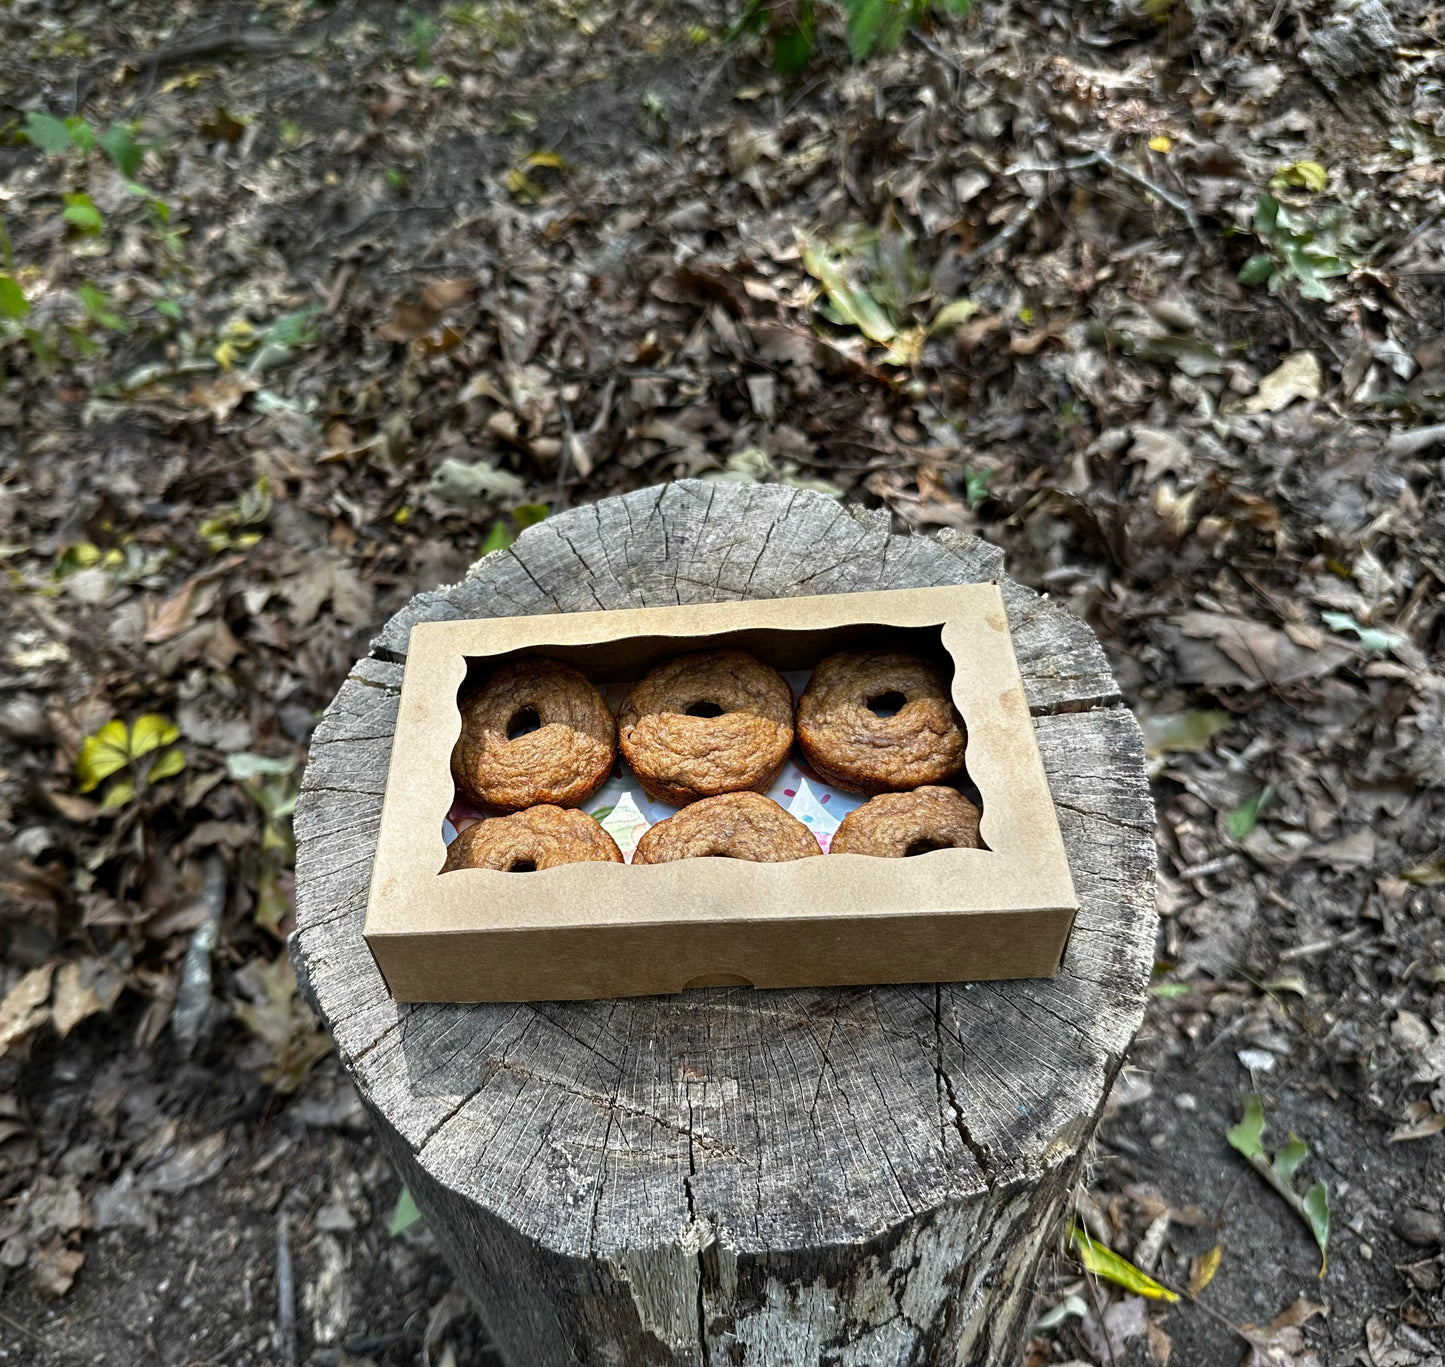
[979, 1151]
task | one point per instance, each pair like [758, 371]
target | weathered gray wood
[856, 1176]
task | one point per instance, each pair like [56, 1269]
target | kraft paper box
[606, 930]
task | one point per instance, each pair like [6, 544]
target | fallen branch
[1412, 443]
[1101, 158]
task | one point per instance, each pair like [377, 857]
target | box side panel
[582, 962]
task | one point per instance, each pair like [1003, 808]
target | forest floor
[308, 305]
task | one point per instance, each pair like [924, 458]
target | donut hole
[524, 721]
[523, 866]
[926, 846]
[888, 704]
[705, 709]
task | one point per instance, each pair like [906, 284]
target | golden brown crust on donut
[562, 763]
[893, 825]
[680, 758]
[732, 825]
[853, 748]
[541, 836]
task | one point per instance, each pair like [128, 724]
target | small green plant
[420, 37]
[1296, 248]
[1278, 1170]
[76, 140]
[872, 26]
[501, 536]
[232, 528]
[118, 749]
[274, 791]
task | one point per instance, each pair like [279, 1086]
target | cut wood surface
[852, 1176]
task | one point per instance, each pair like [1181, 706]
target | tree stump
[863, 1177]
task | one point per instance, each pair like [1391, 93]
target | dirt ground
[310, 304]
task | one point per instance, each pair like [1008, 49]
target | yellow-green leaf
[1201, 1273]
[117, 795]
[405, 1215]
[101, 755]
[1301, 175]
[853, 303]
[551, 160]
[167, 766]
[952, 315]
[150, 732]
[1104, 1262]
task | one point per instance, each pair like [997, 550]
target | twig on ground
[564, 460]
[1412, 443]
[213, 44]
[1004, 236]
[1120, 168]
[285, 1293]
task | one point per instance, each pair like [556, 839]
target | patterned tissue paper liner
[625, 811]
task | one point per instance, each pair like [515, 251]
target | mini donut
[854, 748]
[561, 763]
[717, 721]
[730, 826]
[893, 825]
[539, 838]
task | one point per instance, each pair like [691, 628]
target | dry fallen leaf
[24, 1009]
[55, 1269]
[1299, 376]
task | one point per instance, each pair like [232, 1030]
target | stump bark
[863, 1177]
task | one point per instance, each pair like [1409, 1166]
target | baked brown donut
[539, 838]
[729, 826]
[854, 748]
[501, 767]
[717, 721]
[893, 825]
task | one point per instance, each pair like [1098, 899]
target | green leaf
[1168, 991]
[529, 514]
[1248, 1134]
[1266, 214]
[602, 813]
[1257, 270]
[1371, 638]
[499, 538]
[405, 1215]
[952, 315]
[1317, 1216]
[118, 144]
[853, 303]
[293, 329]
[240, 767]
[865, 25]
[1300, 175]
[81, 211]
[13, 303]
[170, 763]
[1288, 1159]
[117, 795]
[1182, 730]
[1241, 821]
[170, 308]
[1314, 1206]
[150, 732]
[47, 133]
[1104, 1262]
[792, 50]
[976, 480]
[100, 308]
[102, 754]
[81, 133]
